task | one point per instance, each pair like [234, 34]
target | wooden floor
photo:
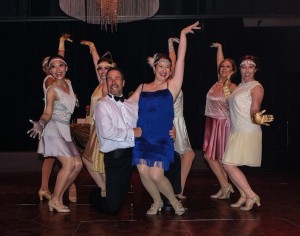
[22, 213]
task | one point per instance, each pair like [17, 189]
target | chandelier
[109, 12]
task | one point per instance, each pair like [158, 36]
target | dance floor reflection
[22, 213]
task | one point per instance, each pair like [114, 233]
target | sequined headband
[248, 62]
[152, 63]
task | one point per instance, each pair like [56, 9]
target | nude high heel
[250, 203]
[240, 202]
[178, 208]
[155, 208]
[44, 194]
[217, 195]
[226, 192]
[59, 208]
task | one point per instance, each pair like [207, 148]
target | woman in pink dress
[217, 125]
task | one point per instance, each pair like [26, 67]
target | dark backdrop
[25, 44]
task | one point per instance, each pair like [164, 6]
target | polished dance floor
[22, 213]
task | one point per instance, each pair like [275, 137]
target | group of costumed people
[144, 138]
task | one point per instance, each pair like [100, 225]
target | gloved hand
[170, 43]
[37, 129]
[260, 119]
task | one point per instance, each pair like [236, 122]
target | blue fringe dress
[156, 113]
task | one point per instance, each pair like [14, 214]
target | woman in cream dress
[53, 130]
[182, 143]
[244, 146]
[92, 157]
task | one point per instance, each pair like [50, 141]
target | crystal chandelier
[109, 12]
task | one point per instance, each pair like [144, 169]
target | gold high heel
[217, 195]
[250, 203]
[155, 208]
[72, 193]
[226, 192]
[240, 202]
[44, 194]
[57, 207]
[178, 208]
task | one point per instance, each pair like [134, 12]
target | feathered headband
[103, 63]
[152, 61]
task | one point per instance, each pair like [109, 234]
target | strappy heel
[178, 208]
[59, 208]
[250, 203]
[226, 192]
[242, 200]
[217, 195]
[155, 208]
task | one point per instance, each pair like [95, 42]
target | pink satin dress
[217, 124]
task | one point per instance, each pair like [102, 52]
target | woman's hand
[191, 28]
[66, 37]
[37, 129]
[215, 45]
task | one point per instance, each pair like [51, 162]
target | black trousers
[118, 170]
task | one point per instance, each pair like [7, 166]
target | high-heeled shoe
[59, 208]
[240, 202]
[217, 195]
[250, 203]
[178, 208]
[155, 208]
[226, 192]
[72, 194]
[44, 194]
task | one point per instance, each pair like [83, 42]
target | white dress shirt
[114, 123]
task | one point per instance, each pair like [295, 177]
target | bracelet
[42, 123]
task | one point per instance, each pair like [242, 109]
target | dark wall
[25, 44]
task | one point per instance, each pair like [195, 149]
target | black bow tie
[121, 98]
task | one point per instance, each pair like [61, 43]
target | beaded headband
[248, 62]
[152, 63]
